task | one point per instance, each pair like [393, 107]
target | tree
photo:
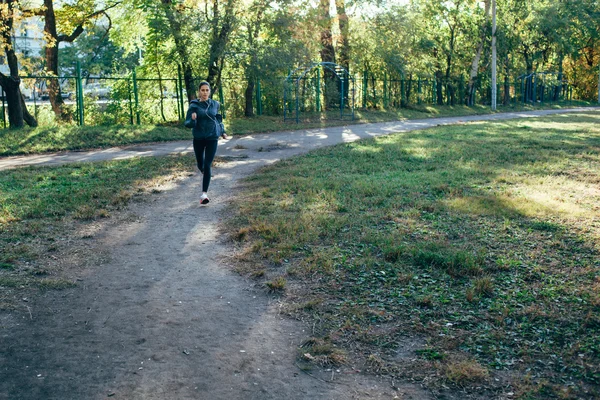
[253, 24]
[222, 26]
[183, 43]
[17, 110]
[97, 54]
[470, 93]
[72, 18]
[327, 51]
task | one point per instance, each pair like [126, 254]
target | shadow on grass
[445, 233]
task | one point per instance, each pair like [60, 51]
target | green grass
[71, 137]
[481, 239]
[40, 207]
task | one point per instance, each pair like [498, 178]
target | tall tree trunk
[439, 93]
[10, 85]
[450, 91]
[17, 110]
[327, 54]
[221, 32]
[470, 95]
[182, 46]
[56, 100]
[249, 96]
[344, 42]
[251, 67]
[529, 79]
[161, 89]
[438, 78]
[558, 87]
[409, 84]
[344, 25]
[507, 81]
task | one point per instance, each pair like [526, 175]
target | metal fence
[134, 100]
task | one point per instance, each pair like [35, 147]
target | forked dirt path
[157, 312]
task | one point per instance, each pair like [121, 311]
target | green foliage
[97, 55]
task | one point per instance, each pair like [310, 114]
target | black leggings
[205, 150]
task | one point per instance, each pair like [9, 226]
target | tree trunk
[439, 92]
[558, 88]
[221, 31]
[10, 85]
[529, 97]
[506, 81]
[327, 55]
[181, 45]
[251, 67]
[409, 84]
[161, 88]
[17, 110]
[29, 119]
[249, 97]
[56, 100]
[450, 86]
[344, 42]
[470, 95]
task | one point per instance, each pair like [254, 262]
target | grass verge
[477, 244]
[71, 137]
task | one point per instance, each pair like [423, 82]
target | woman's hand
[193, 116]
[224, 135]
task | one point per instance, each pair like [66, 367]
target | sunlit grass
[51, 136]
[71, 137]
[482, 238]
[39, 205]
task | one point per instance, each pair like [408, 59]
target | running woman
[204, 119]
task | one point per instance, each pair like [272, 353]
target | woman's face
[204, 92]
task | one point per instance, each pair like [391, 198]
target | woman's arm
[190, 118]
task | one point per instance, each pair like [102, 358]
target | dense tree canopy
[446, 41]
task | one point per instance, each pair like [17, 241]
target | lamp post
[494, 86]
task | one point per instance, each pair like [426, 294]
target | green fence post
[402, 90]
[181, 92]
[342, 100]
[297, 104]
[365, 87]
[137, 100]
[179, 111]
[130, 102]
[375, 101]
[319, 89]
[79, 94]
[385, 92]
[3, 108]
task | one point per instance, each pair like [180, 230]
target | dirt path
[158, 314]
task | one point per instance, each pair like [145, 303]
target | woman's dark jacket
[207, 124]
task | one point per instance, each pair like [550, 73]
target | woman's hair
[203, 83]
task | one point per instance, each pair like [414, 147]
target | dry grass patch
[322, 353]
[465, 372]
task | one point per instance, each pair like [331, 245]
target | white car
[95, 90]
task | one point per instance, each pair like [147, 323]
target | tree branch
[79, 29]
